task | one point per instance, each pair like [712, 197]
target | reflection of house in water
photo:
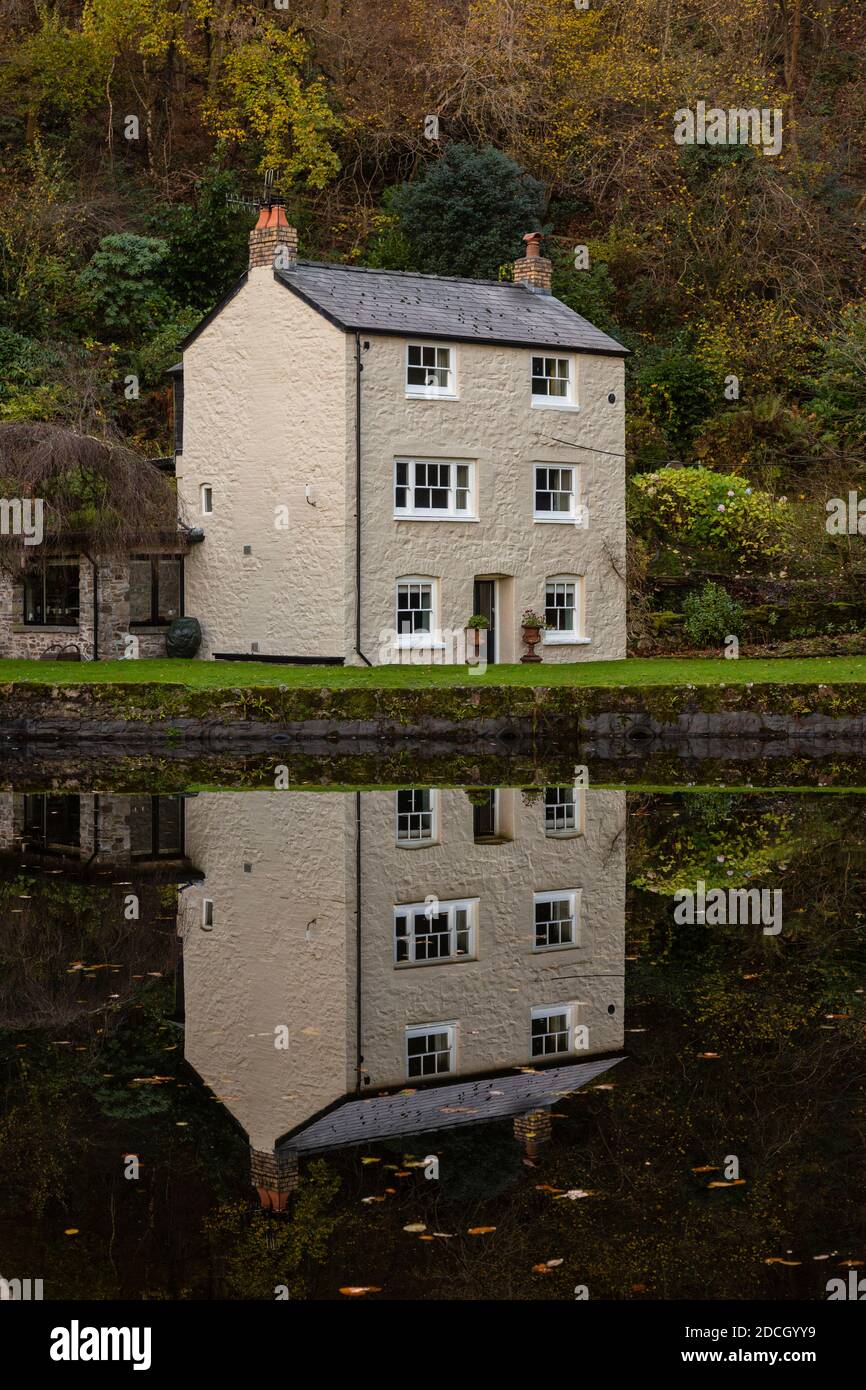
[95, 830]
[491, 942]
[109, 846]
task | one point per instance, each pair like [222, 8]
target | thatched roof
[106, 496]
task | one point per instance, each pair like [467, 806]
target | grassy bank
[637, 671]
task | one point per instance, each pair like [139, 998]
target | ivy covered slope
[735, 276]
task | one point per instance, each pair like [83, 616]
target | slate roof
[436, 306]
[443, 1107]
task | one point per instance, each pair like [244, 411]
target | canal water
[549, 1040]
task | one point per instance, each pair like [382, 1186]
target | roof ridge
[418, 274]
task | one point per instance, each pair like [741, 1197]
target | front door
[484, 602]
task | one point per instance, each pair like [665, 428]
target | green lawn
[218, 675]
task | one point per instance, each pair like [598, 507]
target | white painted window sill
[428, 516]
[404, 644]
[563, 519]
[567, 641]
[432, 396]
[542, 403]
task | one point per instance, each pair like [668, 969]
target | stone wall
[20, 640]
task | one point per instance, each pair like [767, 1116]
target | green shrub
[711, 615]
[715, 512]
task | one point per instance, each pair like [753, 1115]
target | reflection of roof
[439, 306]
[444, 1107]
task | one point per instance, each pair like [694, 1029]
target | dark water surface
[437, 1041]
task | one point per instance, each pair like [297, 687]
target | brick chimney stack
[274, 1176]
[533, 270]
[273, 242]
[532, 1130]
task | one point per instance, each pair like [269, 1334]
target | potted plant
[532, 626]
[474, 628]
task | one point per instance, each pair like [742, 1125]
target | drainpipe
[95, 605]
[358, 370]
[358, 1048]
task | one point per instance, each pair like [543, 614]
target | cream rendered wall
[263, 964]
[491, 997]
[494, 422]
[266, 394]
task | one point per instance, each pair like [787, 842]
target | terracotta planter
[531, 636]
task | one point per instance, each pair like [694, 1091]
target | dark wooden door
[484, 601]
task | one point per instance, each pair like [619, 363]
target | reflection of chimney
[532, 1130]
[274, 1176]
[533, 270]
[271, 235]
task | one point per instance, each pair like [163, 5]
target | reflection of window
[551, 1030]
[429, 370]
[556, 918]
[485, 815]
[415, 608]
[434, 931]
[561, 610]
[156, 827]
[52, 822]
[430, 1050]
[562, 811]
[154, 589]
[416, 812]
[51, 595]
[433, 489]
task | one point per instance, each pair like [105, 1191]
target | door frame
[492, 657]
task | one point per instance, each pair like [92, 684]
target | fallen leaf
[371, 1160]
[734, 1182]
[481, 1230]
[415, 1228]
[356, 1291]
[777, 1260]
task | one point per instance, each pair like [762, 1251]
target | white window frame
[422, 638]
[544, 401]
[417, 841]
[421, 1030]
[449, 908]
[206, 497]
[432, 391]
[576, 510]
[412, 512]
[579, 801]
[573, 636]
[547, 1011]
[572, 898]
